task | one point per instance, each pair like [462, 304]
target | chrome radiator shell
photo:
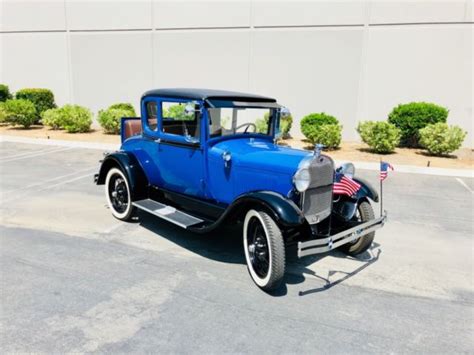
[316, 201]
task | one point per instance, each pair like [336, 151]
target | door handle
[227, 157]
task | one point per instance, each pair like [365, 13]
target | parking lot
[73, 278]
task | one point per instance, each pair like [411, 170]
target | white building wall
[355, 59]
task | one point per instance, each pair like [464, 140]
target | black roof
[207, 94]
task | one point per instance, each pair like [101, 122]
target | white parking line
[17, 197]
[67, 181]
[50, 180]
[61, 143]
[465, 185]
[28, 153]
[35, 155]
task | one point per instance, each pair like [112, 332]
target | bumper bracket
[323, 245]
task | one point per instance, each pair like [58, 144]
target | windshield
[224, 121]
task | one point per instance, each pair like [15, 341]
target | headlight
[347, 169]
[302, 179]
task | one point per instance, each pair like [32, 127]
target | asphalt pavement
[74, 279]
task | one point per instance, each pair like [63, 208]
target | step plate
[168, 213]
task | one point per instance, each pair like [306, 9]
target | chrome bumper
[323, 245]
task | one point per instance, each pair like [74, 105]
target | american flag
[384, 167]
[344, 185]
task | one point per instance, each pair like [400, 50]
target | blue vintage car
[202, 158]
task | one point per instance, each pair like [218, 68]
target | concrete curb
[469, 173]
[411, 169]
[61, 143]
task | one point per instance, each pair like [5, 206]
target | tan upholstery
[132, 128]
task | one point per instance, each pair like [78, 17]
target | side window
[175, 111]
[176, 121]
[151, 115]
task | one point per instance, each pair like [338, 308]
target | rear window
[151, 115]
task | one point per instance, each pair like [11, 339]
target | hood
[261, 154]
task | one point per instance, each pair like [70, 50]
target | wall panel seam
[361, 112]
[69, 56]
[421, 23]
[307, 26]
[231, 28]
[153, 65]
[250, 38]
[203, 28]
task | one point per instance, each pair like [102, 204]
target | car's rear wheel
[264, 250]
[117, 191]
[364, 213]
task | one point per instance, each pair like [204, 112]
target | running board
[168, 213]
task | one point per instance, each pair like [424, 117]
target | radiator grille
[317, 199]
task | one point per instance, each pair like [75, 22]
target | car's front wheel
[117, 191]
[264, 250]
[364, 213]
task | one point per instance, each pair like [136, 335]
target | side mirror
[346, 169]
[285, 112]
[189, 109]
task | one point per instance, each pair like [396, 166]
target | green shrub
[53, 118]
[20, 112]
[3, 113]
[328, 135]
[72, 118]
[382, 137]
[412, 117]
[43, 99]
[440, 139]
[109, 119]
[124, 106]
[313, 120]
[323, 129]
[4, 93]
[76, 118]
[176, 112]
[262, 125]
[285, 125]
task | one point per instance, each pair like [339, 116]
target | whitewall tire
[117, 192]
[264, 250]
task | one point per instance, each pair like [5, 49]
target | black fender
[285, 212]
[345, 207]
[128, 163]
[366, 190]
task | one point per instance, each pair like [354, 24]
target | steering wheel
[250, 124]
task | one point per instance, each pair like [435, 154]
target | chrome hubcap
[118, 193]
[257, 248]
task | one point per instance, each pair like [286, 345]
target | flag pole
[381, 188]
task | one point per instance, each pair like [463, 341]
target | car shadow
[225, 245]
[300, 269]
